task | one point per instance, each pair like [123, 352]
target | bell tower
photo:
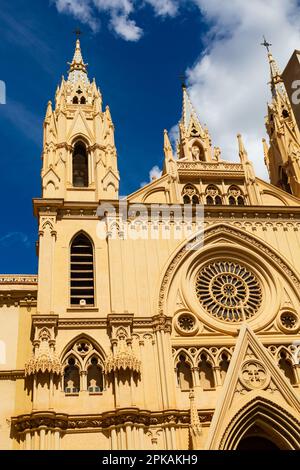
[282, 157]
[79, 152]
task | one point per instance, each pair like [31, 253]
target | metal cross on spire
[182, 79]
[266, 44]
[78, 33]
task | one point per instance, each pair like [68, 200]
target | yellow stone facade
[144, 329]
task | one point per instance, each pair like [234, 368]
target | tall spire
[276, 79]
[78, 69]
[188, 110]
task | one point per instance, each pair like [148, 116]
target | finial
[78, 33]
[242, 151]
[266, 44]
[167, 143]
[183, 82]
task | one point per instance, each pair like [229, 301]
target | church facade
[169, 319]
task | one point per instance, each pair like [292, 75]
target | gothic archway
[253, 442]
[266, 423]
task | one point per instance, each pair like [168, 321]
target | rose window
[228, 291]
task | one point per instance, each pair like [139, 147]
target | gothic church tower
[132, 337]
[79, 155]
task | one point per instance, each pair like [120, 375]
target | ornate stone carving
[44, 358]
[254, 375]
[221, 229]
[13, 279]
[112, 418]
[228, 291]
[123, 359]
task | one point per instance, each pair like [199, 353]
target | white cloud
[126, 28]
[164, 7]
[228, 84]
[80, 9]
[119, 11]
[154, 173]
[14, 238]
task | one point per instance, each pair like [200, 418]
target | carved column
[162, 327]
[47, 239]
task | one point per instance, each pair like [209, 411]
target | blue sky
[136, 50]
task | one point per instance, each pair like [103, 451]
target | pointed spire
[169, 163]
[242, 151]
[276, 79]
[78, 69]
[49, 109]
[167, 143]
[266, 152]
[188, 110]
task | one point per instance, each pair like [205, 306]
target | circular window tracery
[186, 324]
[289, 322]
[228, 291]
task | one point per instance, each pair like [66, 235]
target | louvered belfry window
[82, 272]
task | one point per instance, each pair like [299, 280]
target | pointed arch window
[75, 100]
[82, 100]
[224, 365]
[206, 373]
[190, 194]
[213, 196]
[71, 377]
[82, 272]
[80, 166]
[83, 368]
[184, 374]
[94, 376]
[286, 366]
[235, 196]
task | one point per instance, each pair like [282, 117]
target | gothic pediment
[252, 376]
[110, 178]
[79, 127]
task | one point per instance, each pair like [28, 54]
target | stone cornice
[65, 422]
[80, 208]
[11, 374]
[44, 320]
[19, 279]
[82, 322]
[121, 319]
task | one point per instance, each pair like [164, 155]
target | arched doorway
[262, 425]
[256, 443]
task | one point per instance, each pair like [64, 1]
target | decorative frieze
[121, 417]
[15, 279]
